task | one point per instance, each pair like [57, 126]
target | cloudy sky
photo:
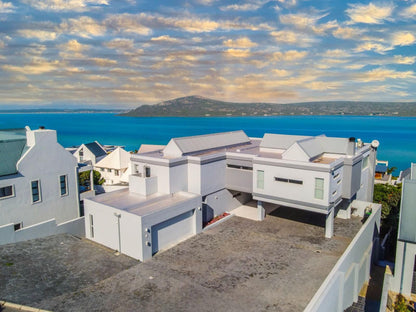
[123, 53]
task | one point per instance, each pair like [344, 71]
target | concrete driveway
[240, 265]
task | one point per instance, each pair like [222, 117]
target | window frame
[91, 218]
[66, 185]
[260, 182]
[39, 193]
[7, 196]
[319, 189]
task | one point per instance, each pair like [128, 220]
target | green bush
[84, 178]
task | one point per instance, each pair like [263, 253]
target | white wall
[213, 177]
[291, 191]
[343, 284]
[194, 178]
[178, 176]
[110, 177]
[45, 161]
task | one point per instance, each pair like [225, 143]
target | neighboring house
[90, 153]
[381, 175]
[38, 185]
[404, 280]
[113, 166]
[174, 189]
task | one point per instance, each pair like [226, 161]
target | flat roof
[139, 204]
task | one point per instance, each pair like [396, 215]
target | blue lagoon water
[397, 135]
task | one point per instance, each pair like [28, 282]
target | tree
[391, 169]
[84, 178]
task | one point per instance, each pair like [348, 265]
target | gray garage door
[171, 231]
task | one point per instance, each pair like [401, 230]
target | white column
[260, 211]
[329, 224]
[92, 179]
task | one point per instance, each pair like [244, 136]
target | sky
[124, 53]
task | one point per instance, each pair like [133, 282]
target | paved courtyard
[239, 265]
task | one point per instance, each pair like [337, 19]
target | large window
[319, 188]
[35, 191]
[147, 172]
[63, 185]
[6, 191]
[260, 179]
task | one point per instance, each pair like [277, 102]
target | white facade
[90, 152]
[44, 186]
[113, 166]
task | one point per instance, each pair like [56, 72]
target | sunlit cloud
[369, 14]
[371, 46]
[41, 35]
[249, 6]
[293, 38]
[35, 67]
[409, 12]
[164, 38]
[65, 5]
[403, 39]
[238, 52]
[381, 74]
[83, 26]
[407, 60]
[243, 42]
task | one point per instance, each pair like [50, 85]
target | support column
[92, 179]
[329, 224]
[260, 211]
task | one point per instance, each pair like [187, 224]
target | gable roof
[280, 141]
[12, 147]
[117, 159]
[186, 145]
[96, 149]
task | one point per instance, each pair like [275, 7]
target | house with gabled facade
[90, 153]
[38, 186]
[193, 179]
[113, 166]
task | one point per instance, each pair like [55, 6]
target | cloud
[281, 72]
[130, 23]
[36, 67]
[403, 39]
[347, 33]
[41, 35]
[238, 53]
[103, 62]
[405, 60]
[292, 37]
[83, 26]
[65, 5]
[308, 22]
[72, 48]
[381, 74]
[250, 6]
[409, 12]
[243, 42]
[120, 44]
[6, 7]
[371, 46]
[165, 38]
[369, 14]
[291, 55]
[337, 53]
[322, 85]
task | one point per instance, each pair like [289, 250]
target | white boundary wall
[8, 235]
[343, 284]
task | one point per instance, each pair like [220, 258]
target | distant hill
[196, 106]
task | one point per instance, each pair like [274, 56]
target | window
[108, 169]
[147, 171]
[81, 155]
[35, 191]
[288, 180]
[239, 167]
[63, 185]
[260, 179]
[102, 169]
[319, 188]
[136, 168]
[116, 172]
[365, 162]
[91, 226]
[6, 191]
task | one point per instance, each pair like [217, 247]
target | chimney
[351, 147]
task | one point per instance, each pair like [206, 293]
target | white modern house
[113, 166]
[174, 189]
[38, 186]
[90, 153]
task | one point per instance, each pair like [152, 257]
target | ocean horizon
[395, 134]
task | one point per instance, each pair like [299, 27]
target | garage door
[171, 231]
